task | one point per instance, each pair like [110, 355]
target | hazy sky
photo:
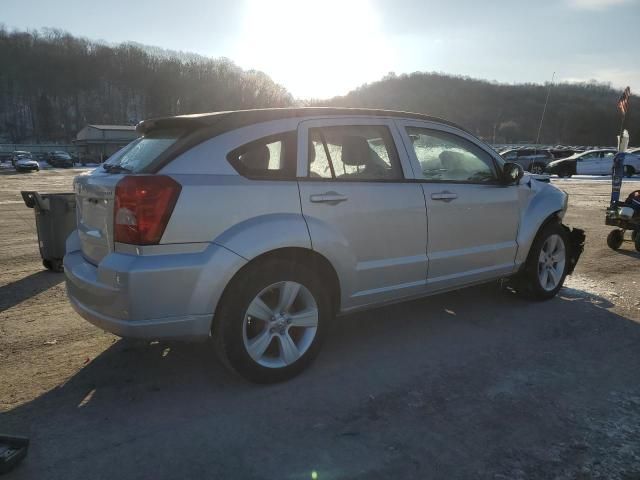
[327, 47]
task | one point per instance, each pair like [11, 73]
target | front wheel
[271, 321]
[547, 263]
[615, 239]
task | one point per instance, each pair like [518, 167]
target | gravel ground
[472, 384]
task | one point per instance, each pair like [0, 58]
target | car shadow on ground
[629, 253]
[16, 292]
[474, 383]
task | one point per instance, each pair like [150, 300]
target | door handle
[332, 198]
[444, 196]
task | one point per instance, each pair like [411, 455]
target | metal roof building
[98, 142]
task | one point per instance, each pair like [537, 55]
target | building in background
[95, 143]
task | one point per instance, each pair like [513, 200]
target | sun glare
[314, 49]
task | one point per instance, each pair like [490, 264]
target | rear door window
[353, 153]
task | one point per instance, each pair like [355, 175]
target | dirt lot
[472, 384]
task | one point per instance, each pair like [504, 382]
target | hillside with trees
[577, 113]
[52, 84]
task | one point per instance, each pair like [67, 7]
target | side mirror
[512, 173]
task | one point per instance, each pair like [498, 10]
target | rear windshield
[142, 151]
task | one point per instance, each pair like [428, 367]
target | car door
[605, 164]
[587, 164]
[361, 213]
[472, 217]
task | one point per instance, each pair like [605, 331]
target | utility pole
[544, 109]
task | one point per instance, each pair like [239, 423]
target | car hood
[562, 160]
[26, 162]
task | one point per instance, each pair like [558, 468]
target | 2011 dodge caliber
[256, 228]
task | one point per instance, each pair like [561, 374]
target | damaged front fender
[576, 247]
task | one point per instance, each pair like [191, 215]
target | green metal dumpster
[55, 220]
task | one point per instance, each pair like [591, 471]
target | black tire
[615, 239]
[227, 331]
[634, 235]
[528, 281]
[636, 241]
[629, 171]
[55, 265]
[537, 168]
[565, 173]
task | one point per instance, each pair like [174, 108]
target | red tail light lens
[142, 208]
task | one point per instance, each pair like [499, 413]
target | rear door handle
[444, 196]
[332, 198]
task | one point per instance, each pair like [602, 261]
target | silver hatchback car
[256, 228]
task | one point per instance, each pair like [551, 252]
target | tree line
[576, 114]
[52, 84]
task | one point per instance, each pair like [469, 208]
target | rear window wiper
[116, 168]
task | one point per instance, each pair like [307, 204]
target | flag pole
[624, 116]
[623, 106]
[544, 109]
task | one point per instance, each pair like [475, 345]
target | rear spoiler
[185, 123]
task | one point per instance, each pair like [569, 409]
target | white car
[255, 228]
[593, 162]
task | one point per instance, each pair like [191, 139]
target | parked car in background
[531, 159]
[592, 162]
[60, 159]
[24, 163]
[255, 228]
[6, 156]
[564, 152]
[20, 154]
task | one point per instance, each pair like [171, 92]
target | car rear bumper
[192, 327]
[150, 296]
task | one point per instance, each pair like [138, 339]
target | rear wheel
[615, 239]
[636, 241]
[271, 321]
[629, 171]
[546, 266]
[564, 173]
[537, 168]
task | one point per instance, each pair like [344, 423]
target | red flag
[623, 103]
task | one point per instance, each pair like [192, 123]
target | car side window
[353, 153]
[447, 157]
[269, 158]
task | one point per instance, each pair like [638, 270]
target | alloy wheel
[551, 262]
[280, 324]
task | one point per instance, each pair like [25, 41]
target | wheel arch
[304, 256]
[544, 208]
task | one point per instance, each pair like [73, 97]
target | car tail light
[142, 208]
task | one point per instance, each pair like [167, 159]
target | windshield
[141, 152]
